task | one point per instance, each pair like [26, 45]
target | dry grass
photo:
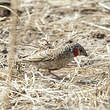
[85, 85]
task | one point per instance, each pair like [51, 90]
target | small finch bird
[54, 59]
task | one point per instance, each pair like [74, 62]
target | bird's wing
[40, 56]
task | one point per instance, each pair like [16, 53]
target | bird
[56, 58]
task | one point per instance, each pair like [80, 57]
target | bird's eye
[70, 41]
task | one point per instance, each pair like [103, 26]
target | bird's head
[75, 48]
[79, 50]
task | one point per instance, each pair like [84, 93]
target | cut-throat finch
[54, 59]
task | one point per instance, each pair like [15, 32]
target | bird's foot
[57, 77]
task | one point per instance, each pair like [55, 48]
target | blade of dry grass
[12, 37]
[12, 52]
[92, 24]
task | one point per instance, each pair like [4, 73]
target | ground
[85, 83]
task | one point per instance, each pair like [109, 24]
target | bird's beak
[86, 54]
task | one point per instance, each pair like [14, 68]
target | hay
[84, 85]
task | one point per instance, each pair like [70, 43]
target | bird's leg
[37, 69]
[54, 75]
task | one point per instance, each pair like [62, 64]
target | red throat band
[76, 52]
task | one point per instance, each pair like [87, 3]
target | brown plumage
[54, 59]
